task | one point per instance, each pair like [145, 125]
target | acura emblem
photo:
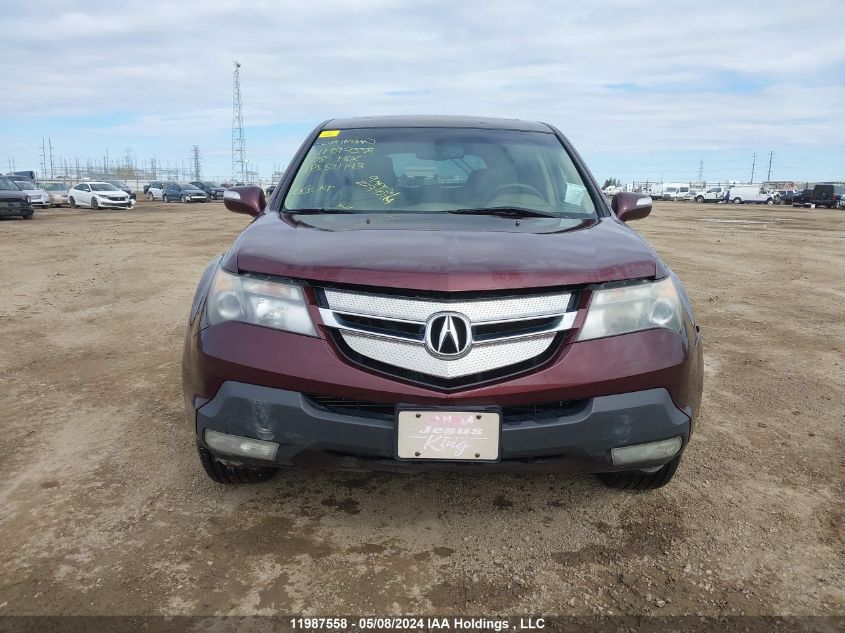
[448, 335]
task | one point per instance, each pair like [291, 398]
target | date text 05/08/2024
[413, 623]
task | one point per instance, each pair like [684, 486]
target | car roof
[430, 120]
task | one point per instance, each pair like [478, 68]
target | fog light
[244, 446]
[642, 453]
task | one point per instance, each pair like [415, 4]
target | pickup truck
[714, 194]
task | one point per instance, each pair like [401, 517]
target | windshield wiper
[317, 211]
[514, 212]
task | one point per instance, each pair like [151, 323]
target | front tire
[224, 474]
[737, 200]
[28, 216]
[94, 203]
[699, 199]
[770, 201]
[641, 480]
[71, 202]
[164, 198]
[150, 196]
[184, 199]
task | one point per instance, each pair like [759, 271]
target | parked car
[37, 196]
[786, 196]
[828, 195]
[13, 201]
[57, 192]
[713, 194]
[155, 190]
[98, 195]
[182, 192]
[271, 189]
[751, 194]
[120, 184]
[804, 198]
[210, 188]
[495, 314]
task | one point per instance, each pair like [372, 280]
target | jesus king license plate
[466, 436]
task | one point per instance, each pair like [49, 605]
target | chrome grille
[391, 330]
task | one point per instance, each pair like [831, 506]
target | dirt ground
[104, 508]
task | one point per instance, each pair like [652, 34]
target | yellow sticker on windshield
[326, 133]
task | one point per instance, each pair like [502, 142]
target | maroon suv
[441, 293]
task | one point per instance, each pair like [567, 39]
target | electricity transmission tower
[43, 161]
[196, 158]
[238, 142]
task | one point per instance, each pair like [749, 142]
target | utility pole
[238, 141]
[11, 162]
[700, 171]
[196, 162]
[769, 176]
[753, 165]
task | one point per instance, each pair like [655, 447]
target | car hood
[34, 192]
[12, 195]
[457, 253]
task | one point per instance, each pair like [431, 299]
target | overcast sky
[642, 88]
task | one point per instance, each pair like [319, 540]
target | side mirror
[249, 200]
[628, 205]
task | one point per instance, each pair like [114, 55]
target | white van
[676, 191]
[753, 194]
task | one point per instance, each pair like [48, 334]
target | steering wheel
[512, 185]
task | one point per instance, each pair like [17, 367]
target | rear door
[823, 194]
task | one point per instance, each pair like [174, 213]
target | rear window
[431, 170]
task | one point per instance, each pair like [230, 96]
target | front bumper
[114, 204]
[309, 435]
[8, 211]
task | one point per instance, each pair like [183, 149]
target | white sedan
[99, 195]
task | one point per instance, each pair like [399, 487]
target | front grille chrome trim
[390, 331]
[564, 322]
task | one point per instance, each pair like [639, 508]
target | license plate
[466, 436]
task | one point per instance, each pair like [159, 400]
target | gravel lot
[105, 509]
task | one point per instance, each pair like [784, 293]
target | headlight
[272, 304]
[633, 308]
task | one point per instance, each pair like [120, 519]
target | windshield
[189, 187]
[209, 183]
[54, 186]
[25, 184]
[117, 183]
[103, 186]
[429, 170]
[8, 185]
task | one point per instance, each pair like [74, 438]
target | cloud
[616, 76]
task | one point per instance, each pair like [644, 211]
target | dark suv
[13, 201]
[828, 195]
[441, 293]
[211, 189]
